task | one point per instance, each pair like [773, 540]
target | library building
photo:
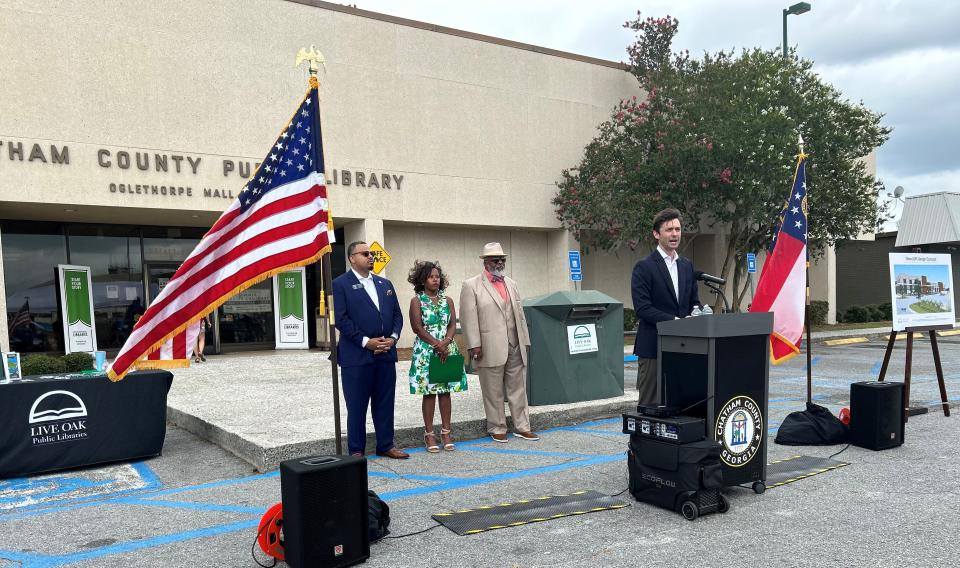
[125, 131]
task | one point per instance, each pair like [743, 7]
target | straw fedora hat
[492, 249]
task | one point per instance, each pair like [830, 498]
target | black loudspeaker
[876, 414]
[324, 511]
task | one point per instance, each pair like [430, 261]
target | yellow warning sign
[380, 257]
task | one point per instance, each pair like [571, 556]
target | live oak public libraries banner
[289, 309]
[76, 309]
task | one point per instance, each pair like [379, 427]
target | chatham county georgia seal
[740, 430]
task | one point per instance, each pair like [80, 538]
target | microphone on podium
[703, 276]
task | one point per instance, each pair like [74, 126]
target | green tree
[717, 138]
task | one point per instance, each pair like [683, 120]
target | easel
[932, 329]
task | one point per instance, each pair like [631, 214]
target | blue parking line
[144, 470]
[98, 500]
[214, 484]
[532, 453]
[484, 480]
[147, 475]
[394, 475]
[200, 506]
[38, 561]
[595, 431]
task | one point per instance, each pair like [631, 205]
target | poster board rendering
[921, 290]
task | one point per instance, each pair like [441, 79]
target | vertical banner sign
[76, 309]
[290, 308]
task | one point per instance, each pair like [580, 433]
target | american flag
[279, 221]
[782, 287]
[174, 352]
[22, 317]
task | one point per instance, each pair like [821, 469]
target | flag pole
[326, 283]
[806, 307]
[806, 317]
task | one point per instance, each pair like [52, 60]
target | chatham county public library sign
[179, 175]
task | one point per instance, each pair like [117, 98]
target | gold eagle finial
[313, 56]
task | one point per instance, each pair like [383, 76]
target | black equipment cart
[716, 367]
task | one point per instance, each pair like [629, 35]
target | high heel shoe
[447, 440]
[430, 441]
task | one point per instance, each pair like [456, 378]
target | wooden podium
[716, 367]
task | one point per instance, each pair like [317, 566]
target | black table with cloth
[54, 423]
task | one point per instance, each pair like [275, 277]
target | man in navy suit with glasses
[663, 288]
[367, 315]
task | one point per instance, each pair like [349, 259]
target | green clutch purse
[449, 372]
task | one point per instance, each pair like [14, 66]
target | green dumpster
[576, 347]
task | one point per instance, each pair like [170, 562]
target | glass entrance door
[157, 276]
[246, 320]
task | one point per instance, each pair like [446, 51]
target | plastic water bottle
[707, 310]
[696, 311]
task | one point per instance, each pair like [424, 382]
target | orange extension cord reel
[270, 532]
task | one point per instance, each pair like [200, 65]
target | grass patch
[928, 307]
[852, 325]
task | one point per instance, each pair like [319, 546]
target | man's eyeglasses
[497, 258]
[363, 252]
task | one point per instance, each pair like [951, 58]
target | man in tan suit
[496, 336]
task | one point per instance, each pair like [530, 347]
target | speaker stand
[907, 368]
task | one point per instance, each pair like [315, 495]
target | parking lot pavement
[199, 505]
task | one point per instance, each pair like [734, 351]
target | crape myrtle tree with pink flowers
[717, 138]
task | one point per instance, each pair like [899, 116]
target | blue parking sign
[574, 258]
[751, 262]
[576, 276]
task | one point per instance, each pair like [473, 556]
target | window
[116, 268]
[31, 253]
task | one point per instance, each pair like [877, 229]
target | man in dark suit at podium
[663, 288]
[368, 316]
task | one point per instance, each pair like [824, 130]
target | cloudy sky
[901, 58]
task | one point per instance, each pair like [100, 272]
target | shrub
[818, 312]
[886, 311]
[867, 313]
[629, 319]
[856, 314]
[43, 365]
[76, 362]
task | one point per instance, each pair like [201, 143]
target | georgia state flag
[782, 288]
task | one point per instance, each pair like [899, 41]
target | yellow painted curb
[948, 333]
[846, 341]
[902, 336]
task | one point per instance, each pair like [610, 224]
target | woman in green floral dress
[433, 319]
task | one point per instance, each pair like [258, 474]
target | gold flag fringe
[160, 364]
[786, 357]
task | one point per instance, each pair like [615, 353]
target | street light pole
[796, 10]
